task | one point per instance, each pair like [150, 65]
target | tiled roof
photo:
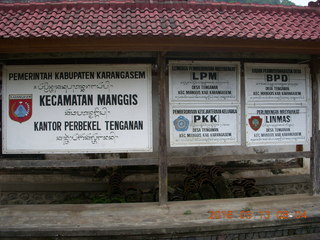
[180, 19]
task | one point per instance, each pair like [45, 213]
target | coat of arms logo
[20, 107]
[181, 124]
[255, 122]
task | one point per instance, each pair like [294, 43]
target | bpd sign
[277, 77]
[276, 83]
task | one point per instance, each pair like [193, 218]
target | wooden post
[163, 161]
[315, 160]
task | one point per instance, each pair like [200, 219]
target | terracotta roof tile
[125, 18]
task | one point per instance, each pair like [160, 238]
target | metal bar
[211, 159]
[163, 161]
[19, 164]
[315, 146]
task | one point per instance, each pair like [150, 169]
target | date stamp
[258, 214]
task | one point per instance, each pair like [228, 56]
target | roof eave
[157, 43]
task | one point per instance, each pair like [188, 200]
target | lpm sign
[204, 76]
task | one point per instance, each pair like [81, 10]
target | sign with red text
[77, 109]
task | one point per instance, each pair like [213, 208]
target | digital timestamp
[258, 215]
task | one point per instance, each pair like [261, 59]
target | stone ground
[246, 218]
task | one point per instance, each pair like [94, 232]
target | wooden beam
[276, 180]
[20, 164]
[173, 161]
[246, 166]
[163, 161]
[315, 146]
[54, 187]
[177, 44]
[98, 186]
[212, 159]
[71, 57]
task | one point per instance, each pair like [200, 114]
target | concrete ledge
[174, 220]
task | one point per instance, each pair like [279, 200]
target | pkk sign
[204, 125]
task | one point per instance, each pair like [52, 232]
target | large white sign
[277, 125]
[204, 125]
[204, 103]
[276, 82]
[204, 81]
[77, 108]
[277, 104]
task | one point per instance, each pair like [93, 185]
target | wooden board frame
[163, 161]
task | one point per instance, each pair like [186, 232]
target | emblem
[181, 124]
[20, 107]
[255, 122]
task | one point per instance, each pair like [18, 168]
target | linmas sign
[77, 108]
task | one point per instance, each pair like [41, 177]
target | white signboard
[77, 108]
[204, 81]
[204, 125]
[277, 125]
[276, 82]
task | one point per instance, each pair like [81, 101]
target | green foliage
[272, 2]
[287, 3]
[101, 199]
[188, 212]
